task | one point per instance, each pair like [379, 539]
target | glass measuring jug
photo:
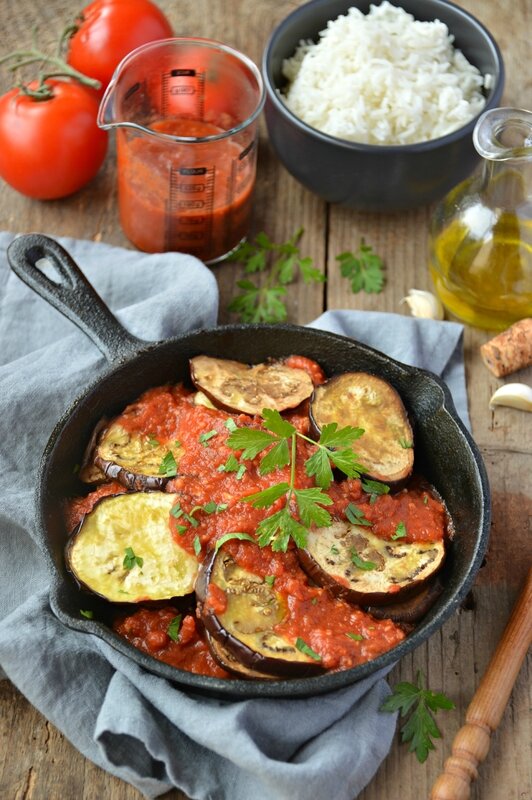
[186, 118]
[481, 235]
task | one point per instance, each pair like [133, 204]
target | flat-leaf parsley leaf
[364, 269]
[420, 728]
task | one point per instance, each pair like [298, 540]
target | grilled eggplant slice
[228, 662]
[366, 401]
[244, 621]
[133, 459]
[362, 568]
[233, 386]
[201, 399]
[89, 472]
[413, 608]
[123, 550]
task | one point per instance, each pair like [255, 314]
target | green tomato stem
[23, 58]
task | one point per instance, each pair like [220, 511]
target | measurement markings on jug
[191, 190]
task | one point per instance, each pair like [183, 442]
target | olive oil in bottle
[481, 236]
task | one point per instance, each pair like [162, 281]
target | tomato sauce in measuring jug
[189, 197]
[186, 118]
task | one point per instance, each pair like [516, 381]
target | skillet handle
[70, 292]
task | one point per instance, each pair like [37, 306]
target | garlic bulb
[423, 304]
[515, 395]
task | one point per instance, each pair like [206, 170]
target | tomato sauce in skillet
[342, 633]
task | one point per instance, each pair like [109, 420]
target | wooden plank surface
[36, 761]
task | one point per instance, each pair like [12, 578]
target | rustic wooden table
[36, 761]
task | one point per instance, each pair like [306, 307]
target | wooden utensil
[472, 742]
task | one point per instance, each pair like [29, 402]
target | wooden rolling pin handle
[472, 742]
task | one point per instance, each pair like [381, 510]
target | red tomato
[50, 148]
[109, 30]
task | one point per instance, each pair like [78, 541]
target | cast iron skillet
[444, 451]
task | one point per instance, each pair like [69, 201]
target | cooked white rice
[383, 78]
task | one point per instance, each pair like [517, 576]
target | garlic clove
[423, 304]
[514, 395]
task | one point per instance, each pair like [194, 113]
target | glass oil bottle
[481, 232]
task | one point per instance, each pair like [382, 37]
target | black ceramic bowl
[372, 177]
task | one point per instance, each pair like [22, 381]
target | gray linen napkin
[134, 724]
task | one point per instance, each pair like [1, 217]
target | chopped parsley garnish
[168, 466]
[181, 529]
[205, 437]
[230, 424]
[176, 511]
[153, 442]
[334, 550]
[405, 444]
[420, 728]
[209, 508]
[269, 579]
[174, 628]
[130, 559]
[227, 536]
[303, 647]
[374, 489]
[231, 465]
[197, 545]
[357, 637]
[355, 515]
[87, 613]
[359, 562]
[400, 531]
[214, 508]
[425, 499]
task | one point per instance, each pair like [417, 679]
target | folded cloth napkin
[136, 725]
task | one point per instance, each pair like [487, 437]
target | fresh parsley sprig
[281, 437]
[420, 727]
[364, 269]
[279, 264]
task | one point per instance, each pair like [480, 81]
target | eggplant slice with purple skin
[362, 568]
[386, 448]
[411, 610]
[245, 629]
[228, 661]
[241, 388]
[124, 551]
[133, 459]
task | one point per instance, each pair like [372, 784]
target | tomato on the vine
[50, 147]
[107, 30]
